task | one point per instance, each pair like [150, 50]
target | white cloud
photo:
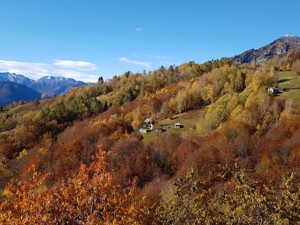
[160, 57]
[139, 29]
[38, 70]
[32, 70]
[75, 65]
[77, 75]
[156, 60]
[134, 62]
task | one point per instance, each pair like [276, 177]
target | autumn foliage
[236, 164]
[91, 196]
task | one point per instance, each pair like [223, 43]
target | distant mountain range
[49, 84]
[56, 85]
[279, 47]
[12, 92]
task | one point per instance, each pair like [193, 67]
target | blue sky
[85, 39]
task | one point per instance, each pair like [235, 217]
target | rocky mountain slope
[279, 47]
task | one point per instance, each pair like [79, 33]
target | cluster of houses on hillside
[148, 126]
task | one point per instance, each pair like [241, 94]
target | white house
[149, 124]
[274, 91]
[147, 127]
[178, 125]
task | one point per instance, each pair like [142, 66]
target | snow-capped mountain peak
[51, 85]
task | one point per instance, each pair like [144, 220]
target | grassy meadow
[291, 82]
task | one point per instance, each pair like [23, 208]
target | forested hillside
[79, 158]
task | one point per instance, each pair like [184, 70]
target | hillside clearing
[188, 119]
[291, 82]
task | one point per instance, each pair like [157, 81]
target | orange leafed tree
[90, 197]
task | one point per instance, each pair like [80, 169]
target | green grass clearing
[291, 82]
[188, 119]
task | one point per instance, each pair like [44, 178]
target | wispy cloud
[139, 29]
[134, 62]
[163, 60]
[32, 70]
[75, 65]
[156, 59]
[77, 75]
[160, 57]
[38, 70]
